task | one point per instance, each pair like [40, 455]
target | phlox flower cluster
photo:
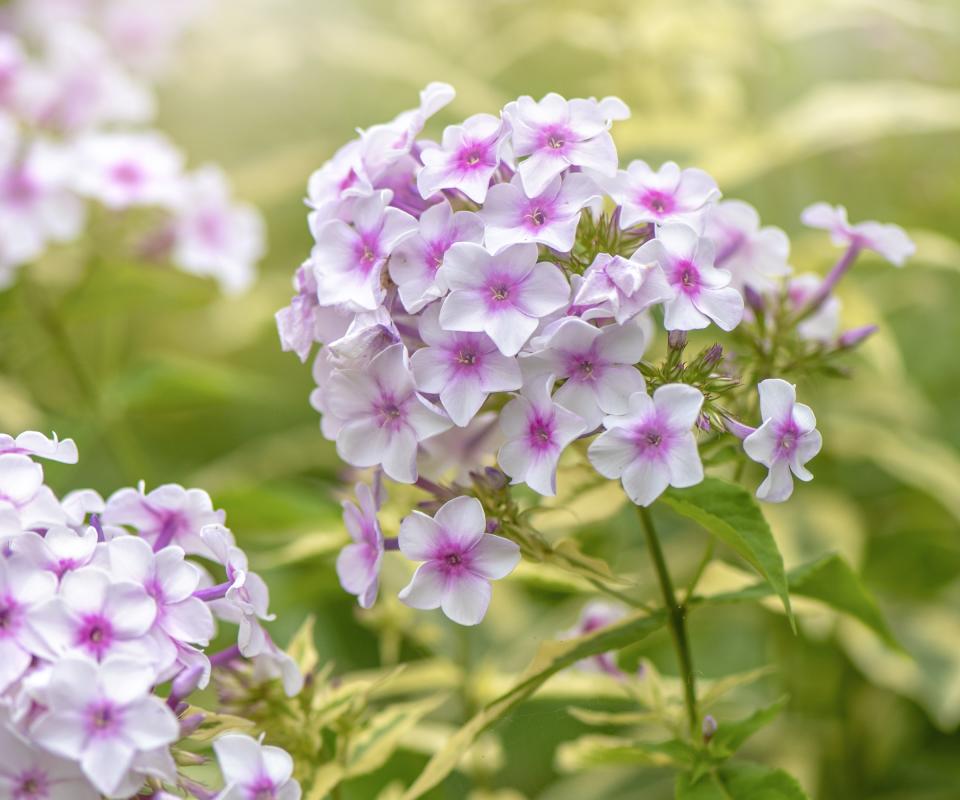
[490, 298]
[103, 604]
[76, 100]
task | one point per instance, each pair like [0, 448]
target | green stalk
[676, 617]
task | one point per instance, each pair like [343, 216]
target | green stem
[676, 617]
[621, 596]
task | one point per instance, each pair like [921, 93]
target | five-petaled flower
[254, 771]
[668, 195]
[468, 156]
[787, 439]
[652, 446]
[459, 560]
[358, 565]
[890, 241]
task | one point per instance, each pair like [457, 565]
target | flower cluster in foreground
[75, 99]
[103, 603]
[491, 297]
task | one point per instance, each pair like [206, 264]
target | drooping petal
[466, 599]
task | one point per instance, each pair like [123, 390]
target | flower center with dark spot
[687, 278]
[788, 441]
[537, 217]
[658, 205]
[454, 559]
[367, 255]
[654, 439]
[542, 434]
[467, 358]
[6, 618]
[500, 293]
[555, 141]
[391, 411]
[586, 367]
[102, 718]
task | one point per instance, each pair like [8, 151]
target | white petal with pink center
[754, 256]
[621, 288]
[785, 442]
[252, 770]
[503, 295]
[652, 446]
[537, 430]
[669, 194]
[466, 159]
[460, 560]
[890, 241]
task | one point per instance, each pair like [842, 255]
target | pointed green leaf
[592, 751]
[549, 660]
[730, 513]
[831, 581]
[730, 736]
[740, 780]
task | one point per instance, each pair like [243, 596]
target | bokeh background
[160, 378]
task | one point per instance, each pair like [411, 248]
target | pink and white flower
[537, 430]
[550, 218]
[668, 195]
[503, 295]
[702, 292]
[824, 323]
[555, 134]
[890, 241]
[33, 443]
[122, 170]
[466, 159]
[27, 773]
[103, 716]
[254, 771]
[95, 616]
[787, 439]
[166, 515]
[462, 368]
[358, 565]
[754, 256]
[21, 590]
[348, 260]
[621, 288]
[416, 260]
[298, 323]
[384, 418]
[59, 550]
[213, 235]
[597, 365]
[652, 446]
[459, 560]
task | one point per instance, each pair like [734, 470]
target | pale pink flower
[652, 446]
[621, 288]
[890, 241]
[455, 453]
[24, 495]
[459, 560]
[415, 261]
[754, 256]
[702, 292]
[348, 260]
[332, 189]
[29, 773]
[550, 218]
[103, 716]
[537, 431]
[556, 134]
[167, 515]
[59, 550]
[466, 159]
[787, 439]
[668, 195]
[22, 588]
[383, 416]
[298, 322]
[122, 170]
[502, 295]
[213, 235]
[358, 565]
[254, 771]
[96, 616]
[462, 368]
[597, 365]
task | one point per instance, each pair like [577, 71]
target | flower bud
[753, 299]
[738, 429]
[855, 336]
[677, 340]
[713, 356]
[709, 728]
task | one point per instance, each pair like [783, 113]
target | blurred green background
[785, 103]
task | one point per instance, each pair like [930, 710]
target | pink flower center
[31, 785]
[454, 559]
[686, 277]
[500, 292]
[18, 188]
[660, 203]
[103, 719]
[536, 217]
[127, 174]
[390, 413]
[95, 635]
[540, 431]
[10, 615]
[788, 436]
[585, 366]
[652, 439]
[474, 155]
[211, 228]
[262, 789]
[466, 358]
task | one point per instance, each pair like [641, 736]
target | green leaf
[371, 748]
[302, 648]
[592, 751]
[740, 780]
[730, 513]
[831, 581]
[214, 725]
[551, 657]
[730, 736]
